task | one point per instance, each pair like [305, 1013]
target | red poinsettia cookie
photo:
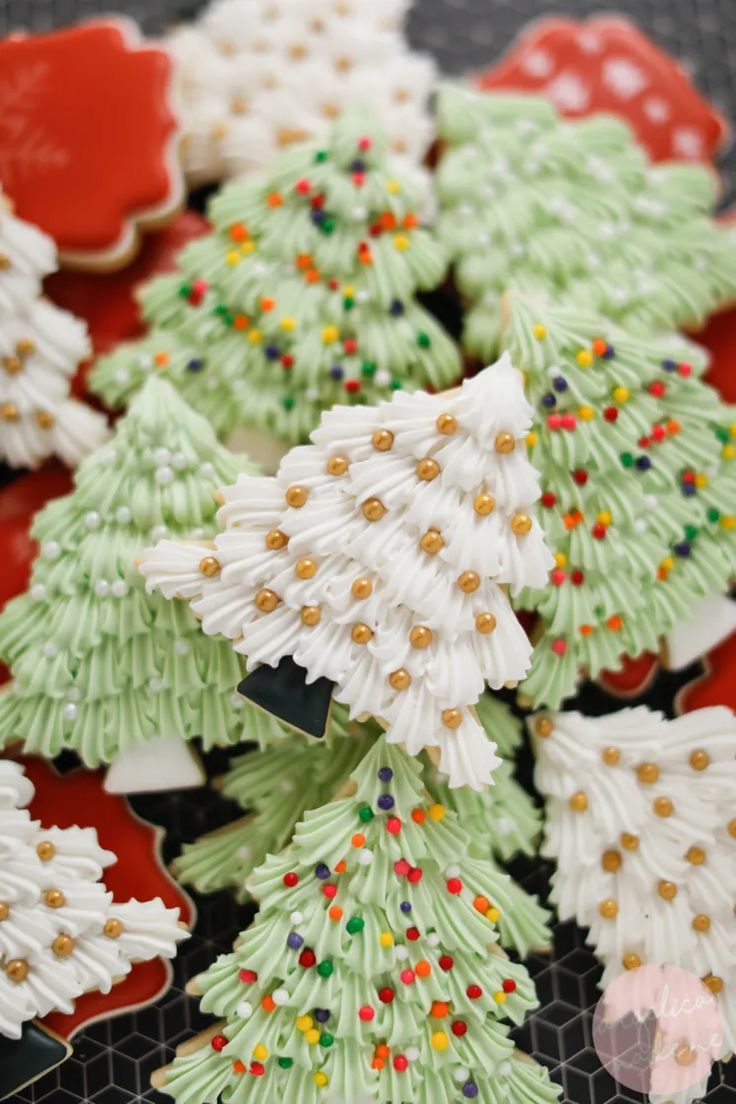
[88, 138]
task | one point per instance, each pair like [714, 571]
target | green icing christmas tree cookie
[303, 296]
[99, 666]
[269, 784]
[501, 821]
[637, 458]
[373, 970]
[576, 212]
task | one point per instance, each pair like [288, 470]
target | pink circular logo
[657, 1029]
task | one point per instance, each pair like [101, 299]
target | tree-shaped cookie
[98, 665]
[374, 566]
[636, 455]
[40, 350]
[258, 76]
[61, 933]
[372, 971]
[640, 820]
[574, 211]
[268, 784]
[303, 296]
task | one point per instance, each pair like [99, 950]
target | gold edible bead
[485, 623]
[296, 496]
[608, 909]
[666, 890]
[578, 802]
[452, 718]
[647, 773]
[484, 504]
[4, 910]
[113, 928]
[12, 365]
[428, 469]
[361, 633]
[54, 898]
[267, 600]
[25, 347]
[382, 440]
[611, 861]
[685, 1055]
[663, 807]
[714, 983]
[701, 922]
[45, 850]
[699, 759]
[311, 615]
[469, 582]
[373, 509]
[420, 636]
[9, 412]
[521, 524]
[628, 841]
[63, 945]
[4, 262]
[400, 679]
[209, 566]
[447, 424]
[505, 442]
[337, 465]
[432, 542]
[695, 855]
[543, 726]
[305, 568]
[44, 420]
[731, 828]
[17, 970]
[276, 540]
[630, 961]
[361, 588]
[610, 756]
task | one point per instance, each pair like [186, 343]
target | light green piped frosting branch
[304, 295]
[376, 934]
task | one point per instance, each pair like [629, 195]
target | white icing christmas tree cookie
[375, 565]
[40, 349]
[640, 821]
[61, 933]
[256, 76]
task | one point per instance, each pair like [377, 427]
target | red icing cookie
[18, 503]
[79, 798]
[634, 678]
[717, 684]
[608, 64]
[88, 138]
[719, 338]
